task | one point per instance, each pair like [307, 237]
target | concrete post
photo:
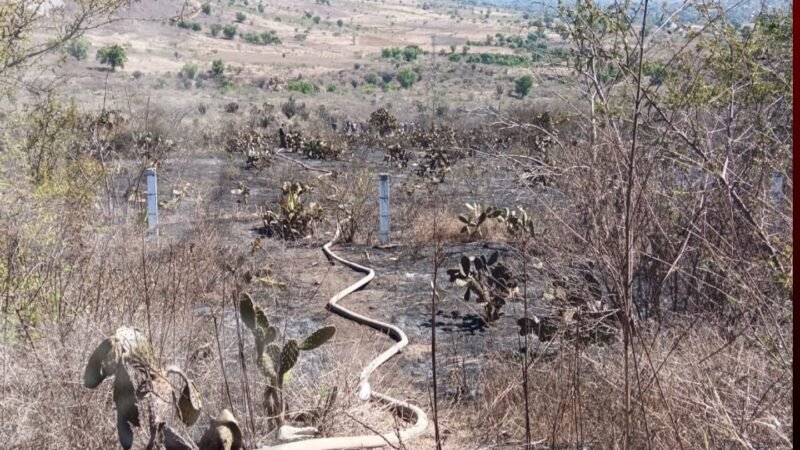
[152, 200]
[383, 208]
[777, 189]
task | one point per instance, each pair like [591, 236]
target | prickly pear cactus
[294, 218]
[435, 165]
[275, 361]
[383, 122]
[475, 219]
[490, 281]
[517, 222]
[316, 148]
[398, 155]
[126, 356]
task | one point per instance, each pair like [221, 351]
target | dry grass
[708, 394]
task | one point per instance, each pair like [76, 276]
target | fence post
[383, 208]
[777, 189]
[152, 200]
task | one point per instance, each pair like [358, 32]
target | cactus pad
[318, 338]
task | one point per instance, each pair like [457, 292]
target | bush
[137, 74]
[189, 25]
[265, 38]
[499, 59]
[189, 71]
[656, 71]
[226, 84]
[304, 86]
[240, 17]
[371, 78]
[215, 29]
[112, 55]
[206, 8]
[229, 31]
[217, 67]
[407, 77]
[387, 76]
[339, 23]
[523, 85]
[260, 7]
[270, 37]
[78, 48]
[292, 108]
[331, 88]
[454, 57]
[409, 53]
[300, 37]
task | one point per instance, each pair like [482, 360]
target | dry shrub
[709, 393]
[419, 235]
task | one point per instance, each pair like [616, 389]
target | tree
[78, 48]
[19, 19]
[112, 55]
[240, 17]
[215, 29]
[217, 67]
[407, 77]
[523, 85]
[339, 23]
[229, 31]
[206, 8]
[316, 19]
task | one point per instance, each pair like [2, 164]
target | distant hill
[742, 11]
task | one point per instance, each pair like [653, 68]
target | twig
[372, 430]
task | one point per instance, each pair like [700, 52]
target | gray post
[152, 200]
[777, 189]
[383, 208]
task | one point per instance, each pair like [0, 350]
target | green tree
[339, 23]
[215, 29]
[19, 20]
[206, 8]
[229, 31]
[112, 55]
[217, 67]
[240, 17]
[316, 19]
[78, 48]
[523, 85]
[407, 77]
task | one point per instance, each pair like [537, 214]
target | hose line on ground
[365, 392]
